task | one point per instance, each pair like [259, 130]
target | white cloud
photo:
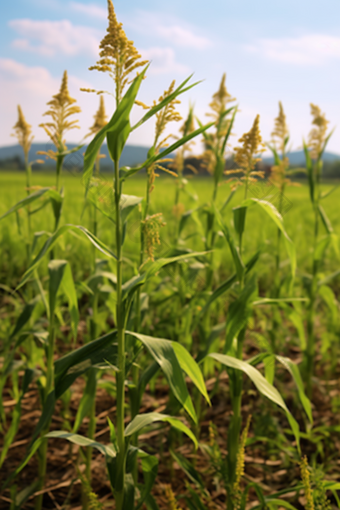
[51, 38]
[183, 37]
[32, 88]
[174, 31]
[91, 10]
[304, 50]
[163, 61]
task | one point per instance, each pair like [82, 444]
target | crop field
[169, 340]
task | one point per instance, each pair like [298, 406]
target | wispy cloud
[92, 10]
[163, 61]
[51, 38]
[175, 31]
[313, 49]
[33, 87]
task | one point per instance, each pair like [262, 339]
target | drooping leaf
[25, 201]
[163, 353]
[145, 419]
[327, 224]
[293, 369]
[261, 384]
[274, 214]
[106, 450]
[150, 269]
[50, 243]
[127, 172]
[127, 205]
[191, 368]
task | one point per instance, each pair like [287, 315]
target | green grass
[260, 230]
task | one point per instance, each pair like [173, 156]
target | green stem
[120, 376]
[42, 452]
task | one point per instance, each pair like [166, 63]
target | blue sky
[271, 51]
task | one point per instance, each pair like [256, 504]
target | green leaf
[310, 172]
[239, 312]
[155, 109]
[224, 287]
[116, 130]
[294, 371]
[25, 201]
[188, 469]
[228, 200]
[214, 334]
[327, 224]
[16, 415]
[261, 384]
[56, 269]
[87, 399]
[321, 247]
[191, 368]
[143, 420]
[278, 301]
[51, 241]
[150, 469]
[106, 450]
[150, 269]
[163, 353]
[328, 279]
[57, 204]
[230, 127]
[328, 296]
[127, 172]
[127, 205]
[274, 214]
[239, 219]
[79, 361]
[239, 266]
[25, 316]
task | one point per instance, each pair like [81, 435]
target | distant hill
[132, 154]
[297, 158]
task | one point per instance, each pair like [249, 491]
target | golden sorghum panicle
[321, 502]
[23, 133]
[240, 465]
[245, 156]
[278, 174]
[221, 98]
[61, 108]
[118, 56]
[163, 117]
[305, 476]
[100, 118]
[317, 136]
[178, 163]
[280, 132]
[170, 496]
[219, 104]
[151, 226]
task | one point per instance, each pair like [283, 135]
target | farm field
[168, 340]
[271, 462]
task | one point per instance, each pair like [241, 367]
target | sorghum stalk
[42, 452]
[317, 142]
[120, 376]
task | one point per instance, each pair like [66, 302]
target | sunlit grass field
[298, 219]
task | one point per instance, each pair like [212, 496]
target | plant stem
[120, 376]
[42, 452]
